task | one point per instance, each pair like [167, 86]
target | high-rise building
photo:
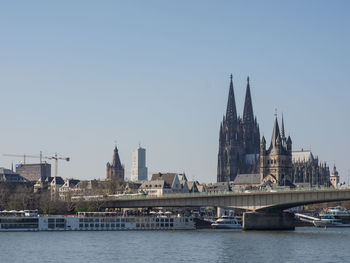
[115, 170]
[138, 167]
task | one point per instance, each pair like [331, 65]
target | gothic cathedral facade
[239, 139]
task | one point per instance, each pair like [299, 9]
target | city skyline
[93, 74]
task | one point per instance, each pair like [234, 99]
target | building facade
[138, 167]
[34, 172]
[276, 161]
[238, 140]
[115, 170]
[308, 171]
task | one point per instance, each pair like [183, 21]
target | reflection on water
[302, 245]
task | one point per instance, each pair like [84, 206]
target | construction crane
[54, 157]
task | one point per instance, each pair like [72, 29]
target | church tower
[276, 162]
[230, 156]
[116, 169]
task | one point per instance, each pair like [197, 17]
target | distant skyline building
[34, 172]
[138, 168]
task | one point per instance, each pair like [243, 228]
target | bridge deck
[257, 200]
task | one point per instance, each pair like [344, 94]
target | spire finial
[248, 80]
[231, 77]
[276, 112]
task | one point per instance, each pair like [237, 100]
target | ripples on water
[302, 245]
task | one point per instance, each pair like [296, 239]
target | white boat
[338, 213]
[88, 221]
[334, 217]
[227, 222]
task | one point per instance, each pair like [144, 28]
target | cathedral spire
[248, 115]
[231, 113]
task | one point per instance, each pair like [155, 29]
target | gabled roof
[168, 178]
[192, 186]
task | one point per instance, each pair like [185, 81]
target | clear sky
[76, 76]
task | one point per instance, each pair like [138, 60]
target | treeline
[20, 196]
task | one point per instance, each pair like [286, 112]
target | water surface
[302, 245]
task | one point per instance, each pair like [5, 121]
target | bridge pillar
[268, 221]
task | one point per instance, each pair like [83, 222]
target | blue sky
[75, 76]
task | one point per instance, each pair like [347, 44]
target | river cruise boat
[338, 213]
[227, 222]
[90, 221]
[334, 217]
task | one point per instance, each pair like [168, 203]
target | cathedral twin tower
[239, 140]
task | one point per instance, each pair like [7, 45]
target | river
[305, 244]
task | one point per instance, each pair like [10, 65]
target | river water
[302, 245]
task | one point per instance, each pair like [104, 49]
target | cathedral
[241, 152]
[239, 139]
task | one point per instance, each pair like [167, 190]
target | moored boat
[87, 221]
[227, 222]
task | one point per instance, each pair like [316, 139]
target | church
[239, 139]
[242, 153]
